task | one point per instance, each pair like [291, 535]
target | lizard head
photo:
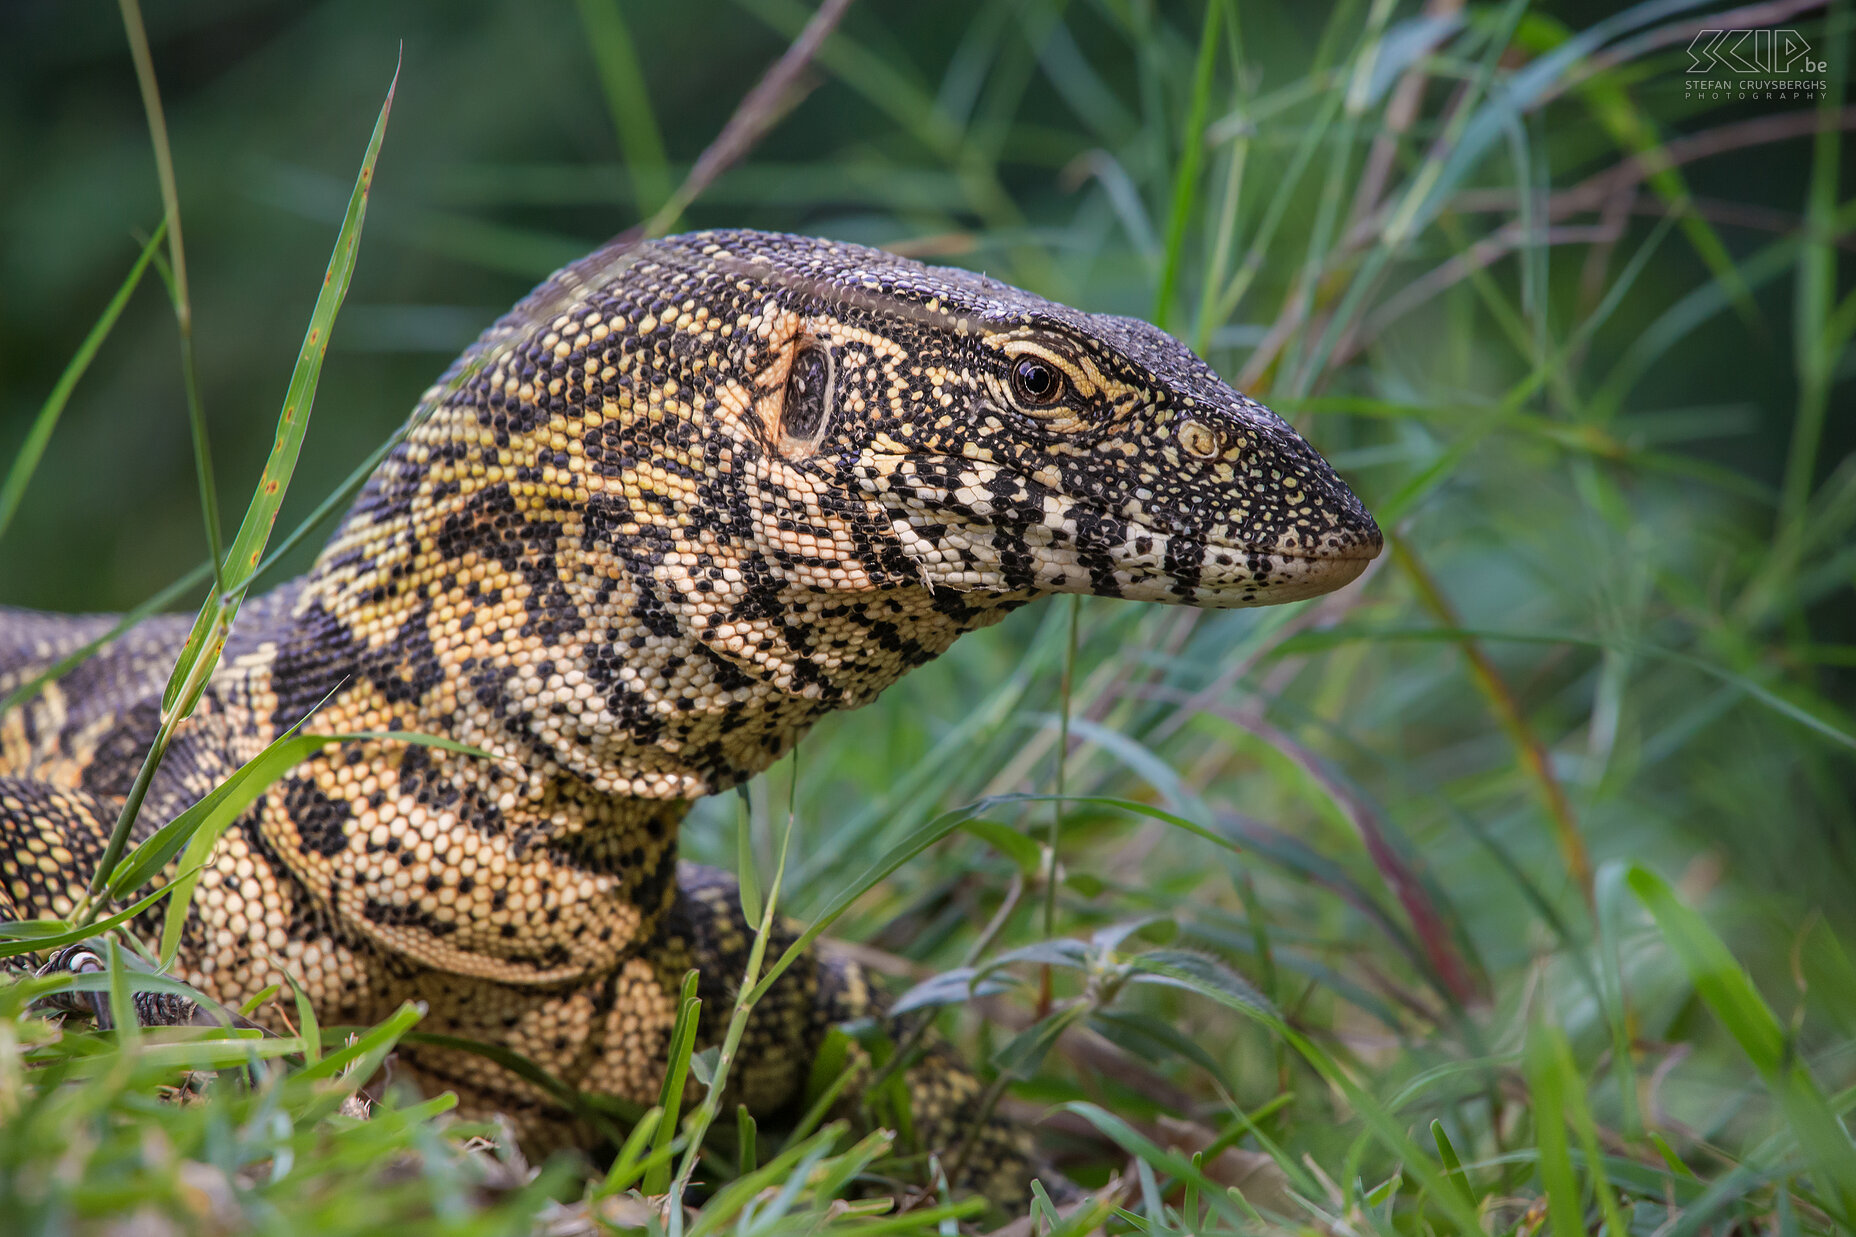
[695, 492]
[1016, 446]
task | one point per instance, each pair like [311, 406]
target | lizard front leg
[948, 1115]
[612, 1037]
[50, 839]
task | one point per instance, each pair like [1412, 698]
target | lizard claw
[150, 1009]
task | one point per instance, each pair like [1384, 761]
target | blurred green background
[1582, 429]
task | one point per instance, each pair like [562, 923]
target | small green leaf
[1025, 1052]
[1150, 1038]
[745, 1134]
[670, 1095]
[1453, 1166]
[1025, 852]
[1198, 973]
[962, 984]
[1063, 951]
[1155, 929]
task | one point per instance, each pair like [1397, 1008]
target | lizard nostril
[1198, 439]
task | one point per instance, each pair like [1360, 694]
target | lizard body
[682, 501]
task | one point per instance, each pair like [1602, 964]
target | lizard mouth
[974, 539]
[1229, 575]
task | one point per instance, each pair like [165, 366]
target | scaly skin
[682, 501]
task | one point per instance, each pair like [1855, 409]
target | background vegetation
[1440, 883]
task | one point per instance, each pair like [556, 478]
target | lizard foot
[150, 1009]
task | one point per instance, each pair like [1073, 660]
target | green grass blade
[334, 503]
[1547, 1089]
[747, 877]
[1518, 92]
[746, 1134]
[670, 1097]
[357, 1061]
[628, 1165]
[1830, 727]
[237, 792]
[1191, 156]
[308, 1028]
[121, 1009]
[622, 78]
[774, 1187]
[1453, 1164]
[293, 423]
[176, 273]
[1816, 288]
[1148, 1154]
[1573, 1106]
[1609, 890]
[897, 855]
[1719, 979]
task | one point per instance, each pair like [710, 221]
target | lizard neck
[584, 598]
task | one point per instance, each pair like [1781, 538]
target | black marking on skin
[320, 821]
[411, 668]
[609, 450]
[490, 523]
[119, 754]
[311, 667]
[1182, 562]
[387, 915]
[487, 688]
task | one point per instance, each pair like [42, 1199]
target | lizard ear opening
[807, 406]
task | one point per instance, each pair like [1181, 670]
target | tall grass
[1504, 891]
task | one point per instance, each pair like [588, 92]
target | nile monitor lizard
[686, 498]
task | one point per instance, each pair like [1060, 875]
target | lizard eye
[808, 394]
[1037, 382]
